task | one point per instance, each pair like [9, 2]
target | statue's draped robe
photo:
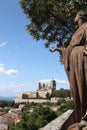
[75, 63]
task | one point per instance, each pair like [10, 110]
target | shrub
[68, 105]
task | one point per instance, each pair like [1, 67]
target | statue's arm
[85, 47]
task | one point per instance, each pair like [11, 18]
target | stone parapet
[62, 122]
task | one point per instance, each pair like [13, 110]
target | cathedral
[42, 91]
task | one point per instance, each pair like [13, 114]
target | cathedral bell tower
[53, 84]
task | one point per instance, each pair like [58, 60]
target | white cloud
[1, 65]
[13, 89]
[3, 44]
[45, 81]
[12, 72]
[57, 81]
[61, 81]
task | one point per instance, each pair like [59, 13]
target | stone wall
[19, 100]
[54, 100]
[62, 122]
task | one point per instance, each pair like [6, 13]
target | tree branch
[60, 19]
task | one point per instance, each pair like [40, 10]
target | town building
[6, 120]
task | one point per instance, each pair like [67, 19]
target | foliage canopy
[52, 20]
[39, 118]
[62, 93]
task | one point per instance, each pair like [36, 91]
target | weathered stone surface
[61, 122]
[79, 126]
[66, 122]
[85, 128]
[83, 123]
[75, 126]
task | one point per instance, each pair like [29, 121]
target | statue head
[81, 15]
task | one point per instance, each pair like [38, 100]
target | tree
[63, 93]
[43, 115]
[3, 103]
[52, 20]
[39, 118]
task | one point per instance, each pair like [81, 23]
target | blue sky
[24, 61]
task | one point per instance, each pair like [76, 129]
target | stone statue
[75, 63]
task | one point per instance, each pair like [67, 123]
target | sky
[24, 61]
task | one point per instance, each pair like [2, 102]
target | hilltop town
[28, 101]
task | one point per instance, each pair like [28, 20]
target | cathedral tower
[53, 84]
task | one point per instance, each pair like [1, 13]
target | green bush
[60, 101]
[68, 105]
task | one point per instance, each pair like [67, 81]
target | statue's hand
[53, 49]
[85, 52]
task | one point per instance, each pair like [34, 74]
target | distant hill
[7, 98]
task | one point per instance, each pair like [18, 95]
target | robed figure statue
[75, 63]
